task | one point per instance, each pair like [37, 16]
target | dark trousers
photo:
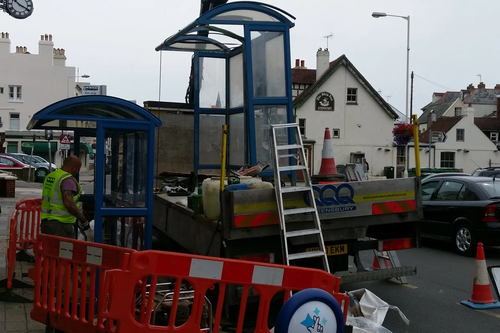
[56, 228]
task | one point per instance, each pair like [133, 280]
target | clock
[19, 9]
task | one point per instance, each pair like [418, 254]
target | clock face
[19, 9]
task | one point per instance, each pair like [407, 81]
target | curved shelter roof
[85, 111]
[204, 33]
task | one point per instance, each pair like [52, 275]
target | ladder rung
[303, 255]
[305, 232]
[293, 211]
[284, 147]
[295, 189]
[287, 155]
[285, 125]
[293, 167]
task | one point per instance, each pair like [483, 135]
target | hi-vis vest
[52, 200]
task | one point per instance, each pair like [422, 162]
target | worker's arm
[72, 207]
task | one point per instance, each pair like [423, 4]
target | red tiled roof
[442, 124]
[487, 124]
[303, 76]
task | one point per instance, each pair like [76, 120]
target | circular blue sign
[310, 311]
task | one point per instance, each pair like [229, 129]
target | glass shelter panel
[210, 141]
[264, 116]
[212, 82]
[245, 15]
[236, 87]
[123, 231]
[125, 168]
[268, 64]
[237, 139]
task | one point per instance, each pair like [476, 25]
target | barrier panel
[68, 276]
[11, 282]
[28, 225]
[167, 292]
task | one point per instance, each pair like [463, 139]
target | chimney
[25, 49]
[469, 113]
[470, 87]
[322, 62]
[497, 86]
[431, 117]
[59, 57]
[45, 48]
[481, 85]
[297, 63]
[5, 43]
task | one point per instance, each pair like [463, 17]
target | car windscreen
[477, 173]
[491, 189]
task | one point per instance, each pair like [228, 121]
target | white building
[337, 96]
[466, 146]
[28, 83]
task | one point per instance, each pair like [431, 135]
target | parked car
[7, 162]
[487, 172]
[464, 210]
[447, 174]
[41, 165]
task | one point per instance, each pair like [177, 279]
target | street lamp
[85, 76]
[407, 18]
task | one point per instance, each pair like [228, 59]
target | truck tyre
[464, 240]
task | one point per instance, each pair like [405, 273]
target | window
[494, 136]
[1, 90]
[460, 134]
[14, 121]
[302, 126]
[336, 133]
[428, 189]
[467, 195]
[449, 191]
[458, 112]
[352, 95]
[15, 93]
[447, 159]
[4, 161]
[401, 156]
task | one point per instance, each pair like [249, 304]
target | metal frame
[146, 124]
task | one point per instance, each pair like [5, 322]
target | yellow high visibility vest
[52, 200]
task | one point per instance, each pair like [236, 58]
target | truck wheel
[464, 240]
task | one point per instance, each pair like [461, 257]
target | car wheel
[464, 240]
[41, 173]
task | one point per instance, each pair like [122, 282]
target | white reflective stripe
[481, 275]
[94, 255]
[268, 275]
[58, 212]
[56, 201]
[208, 269]
[66, 250]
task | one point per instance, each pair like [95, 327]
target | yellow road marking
[490, 313]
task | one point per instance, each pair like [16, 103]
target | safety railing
[148, 296]
[28, 227]
[11, 281]
[69, 275]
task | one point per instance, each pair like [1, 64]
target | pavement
[15, 317]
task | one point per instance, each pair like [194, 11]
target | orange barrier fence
[68, 276]
[151, 295]
[11, 282]
[28, 226]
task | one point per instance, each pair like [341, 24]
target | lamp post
[407, 18]
[85, 76]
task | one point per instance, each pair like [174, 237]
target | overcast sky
[113, 41]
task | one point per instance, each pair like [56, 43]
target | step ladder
[387, 260]
[287, 146]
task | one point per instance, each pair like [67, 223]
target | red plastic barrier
[11, 282]
[28, 226]
[134, 310]
[68, 274]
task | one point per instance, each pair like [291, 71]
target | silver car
[41, 165]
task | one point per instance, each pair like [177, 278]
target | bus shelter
[241, 77]
[123, 167]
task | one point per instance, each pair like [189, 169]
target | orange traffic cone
[375, 264]
[482, 297]
[328, 162]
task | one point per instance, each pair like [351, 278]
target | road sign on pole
[438, 136]
[65, 142]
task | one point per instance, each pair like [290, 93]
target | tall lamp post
[85, 76]
[407, 18]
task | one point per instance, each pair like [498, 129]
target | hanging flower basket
[403, 133]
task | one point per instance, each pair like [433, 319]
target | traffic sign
[64, 141]
[438, 136]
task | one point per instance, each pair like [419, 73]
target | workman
[60, 200]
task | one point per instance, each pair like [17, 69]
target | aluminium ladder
[283, 152]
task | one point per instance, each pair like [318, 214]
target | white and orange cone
[327, 162]
[481, 298]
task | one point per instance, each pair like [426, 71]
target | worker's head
[72, 164]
